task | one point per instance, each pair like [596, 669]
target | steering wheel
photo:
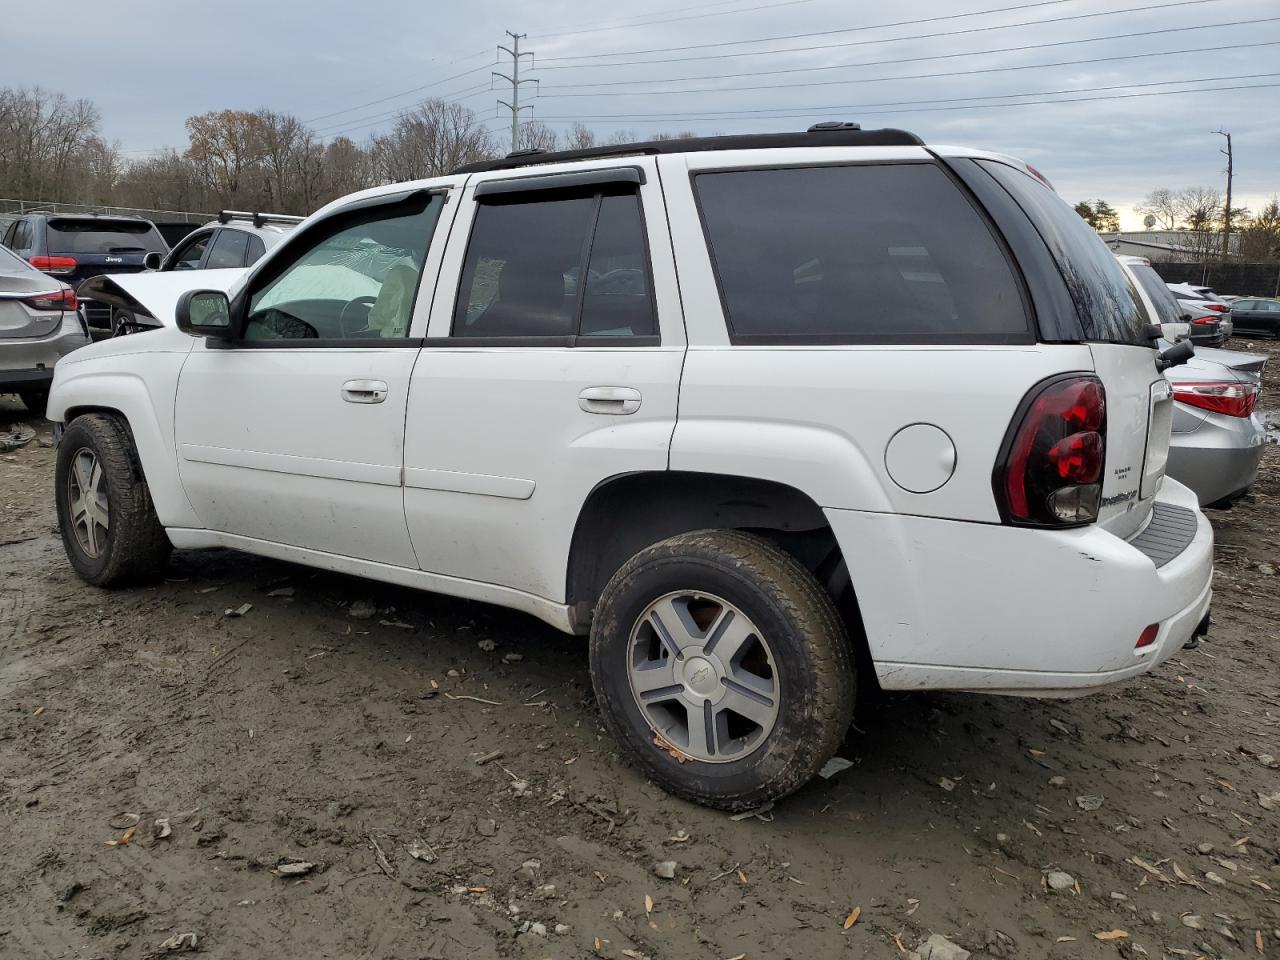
[366, 302]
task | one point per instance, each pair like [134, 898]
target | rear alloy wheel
[722, 667]
[108, 524]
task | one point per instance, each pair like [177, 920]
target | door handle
[364, 391]
[609, 400]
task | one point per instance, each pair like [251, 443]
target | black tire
[134, 548]
[35, 400]
[811, 654]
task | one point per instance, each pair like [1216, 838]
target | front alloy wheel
[87, 503]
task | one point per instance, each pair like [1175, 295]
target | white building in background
[1163, 244]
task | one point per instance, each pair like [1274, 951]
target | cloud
[149, 65]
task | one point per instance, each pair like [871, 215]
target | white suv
[763, 415]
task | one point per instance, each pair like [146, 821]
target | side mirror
[1178, 354]
[152, 261]
[204, 313]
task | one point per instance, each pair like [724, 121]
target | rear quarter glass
[1106, 303]
[891, 252]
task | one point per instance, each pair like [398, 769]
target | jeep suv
[76, 247]
[764, 416]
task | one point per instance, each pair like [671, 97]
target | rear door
[553, 363]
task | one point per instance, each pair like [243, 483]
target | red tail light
[1231, 397]
[62, 300]
[1217, 307]
[1050, 467]
[53, 265]
[1205, 320]
[1147, 637]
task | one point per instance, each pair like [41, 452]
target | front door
[293, 432]
[552, 364]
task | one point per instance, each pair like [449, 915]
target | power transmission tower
[1226, 212]
[515, 53]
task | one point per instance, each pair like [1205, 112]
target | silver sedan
[1218, 437]
[39, 325]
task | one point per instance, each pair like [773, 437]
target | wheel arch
[626, 513]
[150, 425]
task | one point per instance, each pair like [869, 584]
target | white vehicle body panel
[470, 476]
[159, 292]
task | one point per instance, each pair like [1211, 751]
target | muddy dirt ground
[300, 732]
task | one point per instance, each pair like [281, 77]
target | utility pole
[1226, 212]
[515, 53]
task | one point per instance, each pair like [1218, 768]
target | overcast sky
[347, 69]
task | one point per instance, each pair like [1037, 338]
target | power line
[650, 23]
[937, 56]
[815, 33]
[558, 31]
[403, 93]
[459, 96]
[1025, 103]
[860, 43]
[777, 112]
[917, 76]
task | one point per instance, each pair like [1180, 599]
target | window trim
[559, 181]
[240, 308]
[576, 339]
[1014, 338]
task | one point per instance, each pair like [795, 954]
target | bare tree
[45, 143]
[283, 143]
[1163, 205]
[579, 137]
[536, 135]
[226, 148]
[434, 139]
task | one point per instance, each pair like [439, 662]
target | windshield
[104, 236]
[1166, 304]
[1108, 306]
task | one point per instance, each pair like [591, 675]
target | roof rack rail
[834, 133]
[226, 216]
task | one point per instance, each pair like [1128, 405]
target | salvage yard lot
[338, 723]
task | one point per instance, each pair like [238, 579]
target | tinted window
[1167, 308]
[617, 301]
[520, 275]
[22, 235]
[351, 276]
[188, 258]
[104, 236]
[891, 251]
[1106, 303]
[527, 253]
[228, 250]
[256, 249]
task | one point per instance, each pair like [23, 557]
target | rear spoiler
[226, 216]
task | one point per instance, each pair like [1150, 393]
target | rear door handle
[610, 400]
[364, 391]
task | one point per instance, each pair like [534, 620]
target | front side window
[528, 254]
[228, 250]
[353, 276]
[883, 252]
[189, 256]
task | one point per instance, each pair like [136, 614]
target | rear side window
[1167, 308]
[104, 236]
[256, 249]
[1106, 303]
[892, 252]
[528, 255]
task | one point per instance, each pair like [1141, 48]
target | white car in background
[1205, 307]
[741, 409]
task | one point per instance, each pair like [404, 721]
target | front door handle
[364, 391]
[609, 400]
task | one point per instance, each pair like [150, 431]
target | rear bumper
[969, 606]
[29, 362]
[1219, 458]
